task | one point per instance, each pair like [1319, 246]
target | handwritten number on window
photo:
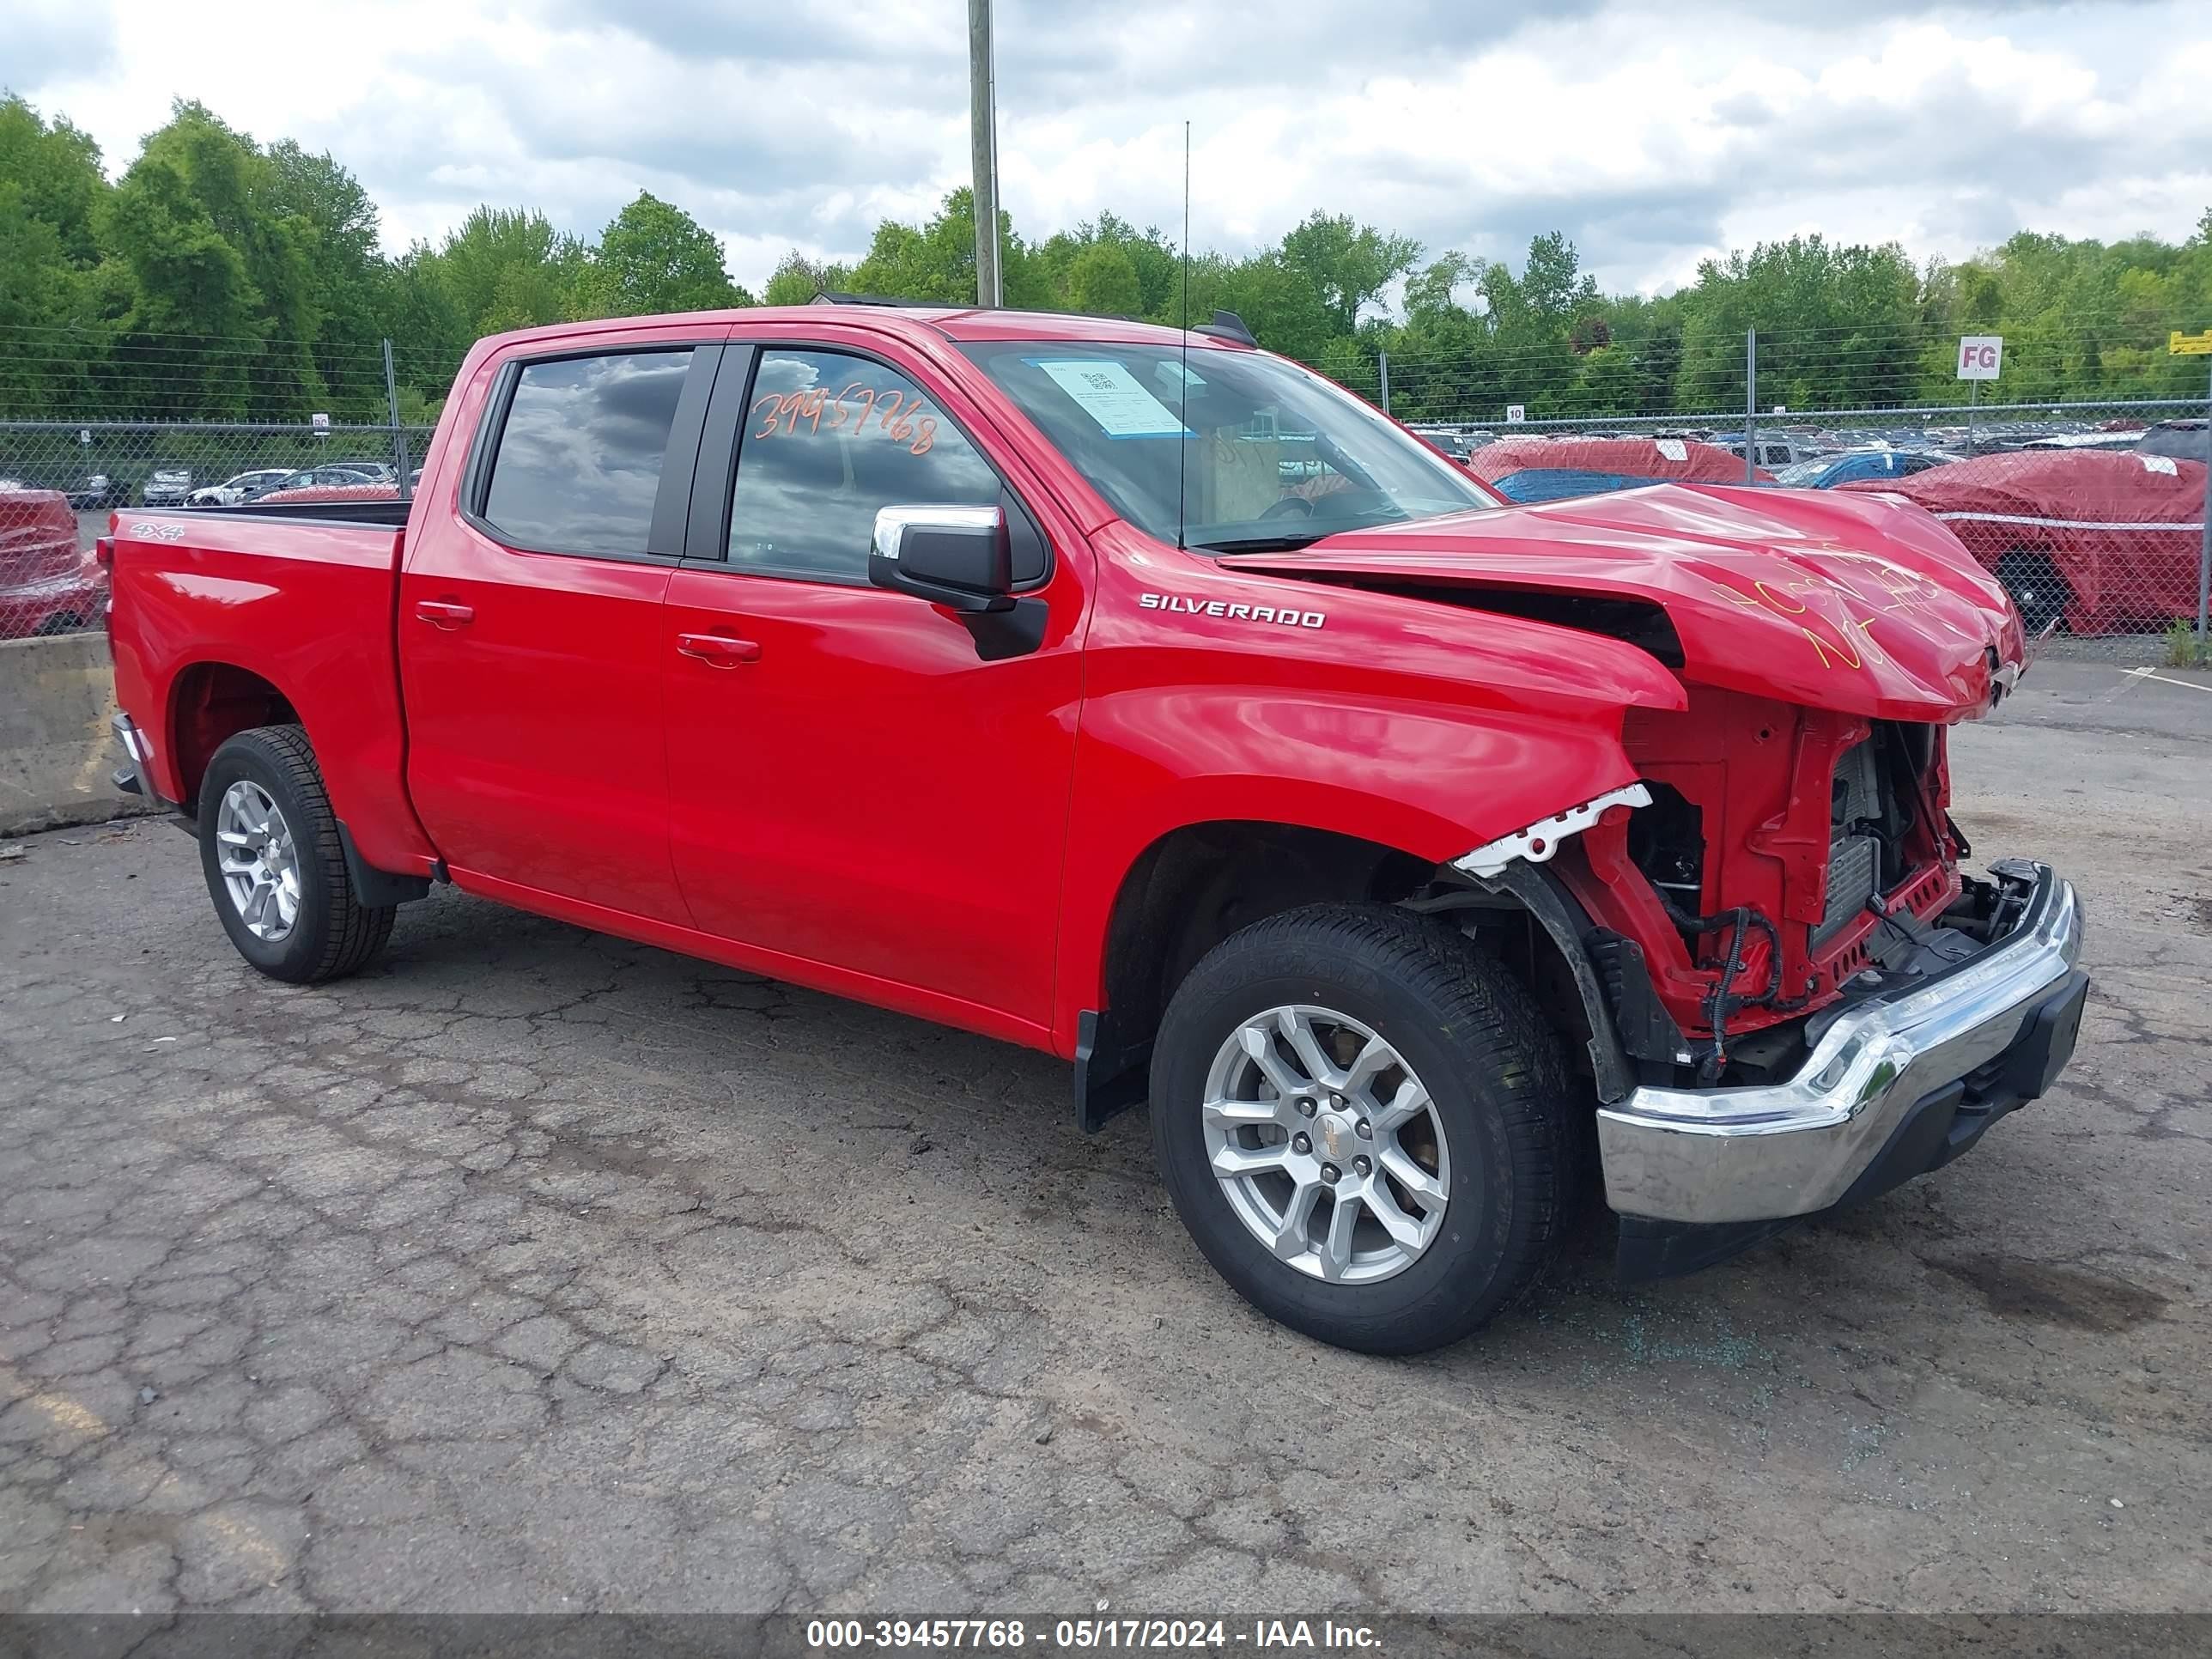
[782, 414]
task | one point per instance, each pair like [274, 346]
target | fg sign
[1980, 356]
[1515, 413]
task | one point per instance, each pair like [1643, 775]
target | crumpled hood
[1846, 602]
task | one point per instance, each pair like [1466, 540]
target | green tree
[56, 168]
[506, 268]
[54, 335]
[1102, 280]
[654, 258]
[797, 279]
[1346, 265]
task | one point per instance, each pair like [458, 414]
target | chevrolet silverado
[1423, 861]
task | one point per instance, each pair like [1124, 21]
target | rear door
[530, 622]
[866, 782]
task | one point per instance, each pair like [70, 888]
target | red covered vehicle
[2097, 540]
[1552, 469]
[47, 585]
[1404, 850]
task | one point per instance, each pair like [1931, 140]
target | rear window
[578, 465]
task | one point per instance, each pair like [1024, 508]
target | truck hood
[1860, 604]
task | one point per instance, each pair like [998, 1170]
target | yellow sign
[2189, 345]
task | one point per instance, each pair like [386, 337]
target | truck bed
[214, 608]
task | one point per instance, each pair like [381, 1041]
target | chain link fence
[2090, 510]
[60, 481]
[92, 423]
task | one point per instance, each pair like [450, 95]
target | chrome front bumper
[1792, 1148]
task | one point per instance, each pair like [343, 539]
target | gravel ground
[537, 1270]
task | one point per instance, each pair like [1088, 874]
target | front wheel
[274, 867]
[1365, 1124]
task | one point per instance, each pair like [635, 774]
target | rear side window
[579, 461]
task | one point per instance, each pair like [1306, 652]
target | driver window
[828, 438]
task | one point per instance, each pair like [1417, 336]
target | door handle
[717, 650]
[443, 613]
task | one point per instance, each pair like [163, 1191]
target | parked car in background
[1773, 452]
[2188, 441]
[2092, 540]
[91, 491]
[48, 585]
[1826, 471]
[1552, 469]
[2125, 438]
[167, 486]
[236, 487]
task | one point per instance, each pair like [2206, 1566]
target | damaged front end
[1800, 1000]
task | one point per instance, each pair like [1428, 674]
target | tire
[1500, 1122]
[330, 932]
[2037, 591]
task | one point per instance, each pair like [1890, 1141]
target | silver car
[168, 486]
[236, 489]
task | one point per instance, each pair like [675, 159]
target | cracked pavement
[537, 1270]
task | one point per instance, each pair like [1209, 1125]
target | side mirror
[960, 557]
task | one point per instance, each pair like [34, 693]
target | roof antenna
[1182, 390]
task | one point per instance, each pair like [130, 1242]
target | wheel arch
[211, 701]
[1192, 886]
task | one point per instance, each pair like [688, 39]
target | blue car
[1828, 470]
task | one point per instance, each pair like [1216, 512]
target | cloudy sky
[1653, 133]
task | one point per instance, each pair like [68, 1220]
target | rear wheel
[1365, 1126]
[270, 850]
[2037, 591]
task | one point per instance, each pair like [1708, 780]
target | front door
[861, 781]
[530, 627]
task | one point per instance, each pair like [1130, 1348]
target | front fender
[1428, 782]
[1420, 727]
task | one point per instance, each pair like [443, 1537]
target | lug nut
[1336, 1103]
[1301, 1144]
[1363, 1129]
[1305, 1107]
[1363, 1168]
[1331, 1174]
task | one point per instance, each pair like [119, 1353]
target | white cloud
[1654, 134]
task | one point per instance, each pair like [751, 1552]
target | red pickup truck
[1146, 698]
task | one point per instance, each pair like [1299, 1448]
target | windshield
[1264, 454]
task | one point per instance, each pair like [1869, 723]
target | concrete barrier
[55, 750]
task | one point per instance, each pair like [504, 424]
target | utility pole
[1751, 406]
[983, 142]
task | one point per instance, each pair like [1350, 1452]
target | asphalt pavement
[534, 1269]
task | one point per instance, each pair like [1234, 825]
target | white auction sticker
[1674, 449]
[1111, 395]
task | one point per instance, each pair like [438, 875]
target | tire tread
[355, 932]
[1497, 1028]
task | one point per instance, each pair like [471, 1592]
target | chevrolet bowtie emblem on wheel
[1258, 613]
